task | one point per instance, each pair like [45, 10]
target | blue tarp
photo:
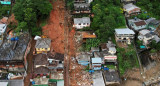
[142, 46]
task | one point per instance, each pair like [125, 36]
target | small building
[96, 63]
[111, 77]
[124, 35]
[108, 47]
[111, 48]
[83, 58]
[80, 23]
[110, 58]
[5, 2]
[137, 24]
[4, 20]
[146, 36]
[81, 8]
[131, 9]
[88, 35]
[153, 24]
[3, 28]
[43, 45]
[98, 79]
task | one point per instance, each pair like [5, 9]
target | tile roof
[140, 23]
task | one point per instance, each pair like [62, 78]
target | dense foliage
[107, 17]
[92, 43]
[152, 6]
[4, 10]
[155, 45]
[127, 59]
[27, 12]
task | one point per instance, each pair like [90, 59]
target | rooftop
[41, 70]
[41, 59]
[124, 31]
[83, 57]
[79, 6]
[98, 79]
[111, 76]
[130, 7]
[96, 60]
[43, 43]
[18, 52]
[140, 23]
[143, 32]
[88, 34]
[82, 20]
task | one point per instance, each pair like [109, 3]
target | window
[46, 48]
[79, 23]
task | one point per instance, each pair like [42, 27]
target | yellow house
[43, 45]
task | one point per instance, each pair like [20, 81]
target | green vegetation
[28, 12]
[4, 10]
[111, 66]
[152, 7]
[70, 4]
[127, 59]
[92, 43]
[107, 17]
[155, 45]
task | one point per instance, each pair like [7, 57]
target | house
[5, 2]
[43, 45]
[137, 24]
[111, 77]
[96, 63]
[80, 23]
[83, 58]
[124, 35]
[98, 79]
[13, 59]
[111, 47]
[131, 9]
[153, 24]
[147, 36]
[81, 8]
[49, 60]
[108, 47]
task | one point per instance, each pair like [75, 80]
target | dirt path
[30, 64]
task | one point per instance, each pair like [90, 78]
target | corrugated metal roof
[81, 20]
[96, 60]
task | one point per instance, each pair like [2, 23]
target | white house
[137, 24]
[80, 23]
[124, 35]
[111, 47]
[146, 36]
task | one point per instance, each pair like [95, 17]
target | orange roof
[88, 35]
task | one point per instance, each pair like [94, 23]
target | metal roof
[144, 32]
[124, 31]
[96, 60]
[43, 43]
[81, 20]
[130, 7]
